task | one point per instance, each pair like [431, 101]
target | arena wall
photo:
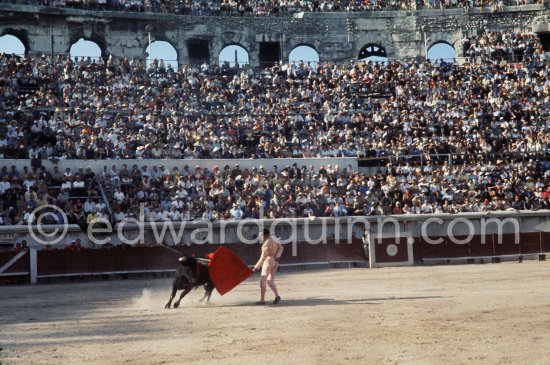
[337, 37]
[378, 241]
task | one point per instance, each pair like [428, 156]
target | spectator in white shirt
[78, 183]
[339, 210]
[236, 212]
[29, 217]
[100, 206]
[179, 204]
[102, 214]
[152, 216]
[119, 195]
[181, 193]
[89, 206]
[66, 185]
[208, 215]
[145, 172]
[162, 215]
[427, 208]
[29, 181]
[4, 185]
[119, 216]
[174, 214]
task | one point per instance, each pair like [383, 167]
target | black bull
[190, 275]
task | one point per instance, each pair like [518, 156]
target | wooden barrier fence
[127, 259]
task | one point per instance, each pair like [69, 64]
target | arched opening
[84, 49]
[442, 51]
[234, 54]
[373, 53]
[10, 44]
[162, 51]
[304, 53]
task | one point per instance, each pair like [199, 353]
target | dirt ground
[470, 314]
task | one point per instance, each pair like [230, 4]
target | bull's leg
[203, 297]
[208, 288]
[208, 294]
[174, 290]
[183, 293]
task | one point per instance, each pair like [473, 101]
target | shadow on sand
[312, 302]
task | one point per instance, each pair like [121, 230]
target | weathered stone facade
[402, 33]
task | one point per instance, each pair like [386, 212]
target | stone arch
[20, 34]
[162, 49]
[452, 38]
[227, 53]
[89, 35]
[300, 52]
[441, 49]
[10, 44]
[85, 48]
[374, 52]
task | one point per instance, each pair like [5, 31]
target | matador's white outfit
[269, 260]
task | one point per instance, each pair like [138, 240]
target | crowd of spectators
[65, 109]
[492, 108]
[233, 193]
[299, 191]
[508, 45]
[26, 193]
[270, 7]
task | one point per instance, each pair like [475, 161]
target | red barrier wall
[508, 246]
[127, 259]
[12, 274]
[383, 256]
[21, 265]
[478, 247]
[454, 250]
[545, 241]
[531, 243]
[432, 251]
[113, 259]
[344, 251]
[528, 243]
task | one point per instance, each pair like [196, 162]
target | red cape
[227, 270]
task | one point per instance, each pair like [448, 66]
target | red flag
[227, 270]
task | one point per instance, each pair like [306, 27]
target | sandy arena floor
[474, 314]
